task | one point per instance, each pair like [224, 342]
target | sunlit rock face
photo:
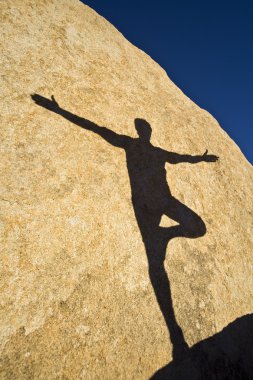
[121, 248]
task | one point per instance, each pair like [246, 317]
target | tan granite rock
[80, 211]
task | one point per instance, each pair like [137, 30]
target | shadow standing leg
[155, 246]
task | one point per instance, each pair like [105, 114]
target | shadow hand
[209, 157]
[50, 104]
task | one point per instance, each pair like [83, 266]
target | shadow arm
[175, 158]
[111, 137]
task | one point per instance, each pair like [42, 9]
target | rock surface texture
[87, 218]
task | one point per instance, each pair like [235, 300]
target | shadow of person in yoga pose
[151, 199]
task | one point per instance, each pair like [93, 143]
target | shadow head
[143, 129]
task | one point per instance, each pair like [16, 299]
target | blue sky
[206, 48]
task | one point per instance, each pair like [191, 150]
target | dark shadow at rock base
[228, 355]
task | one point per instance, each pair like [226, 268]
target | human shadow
[151, 199]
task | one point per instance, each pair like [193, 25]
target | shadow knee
[196, 229]
[200, 228]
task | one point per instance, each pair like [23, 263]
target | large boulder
[88, 219]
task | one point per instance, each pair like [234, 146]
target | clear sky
[206, 48]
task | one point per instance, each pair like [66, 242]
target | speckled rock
[76, 297]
